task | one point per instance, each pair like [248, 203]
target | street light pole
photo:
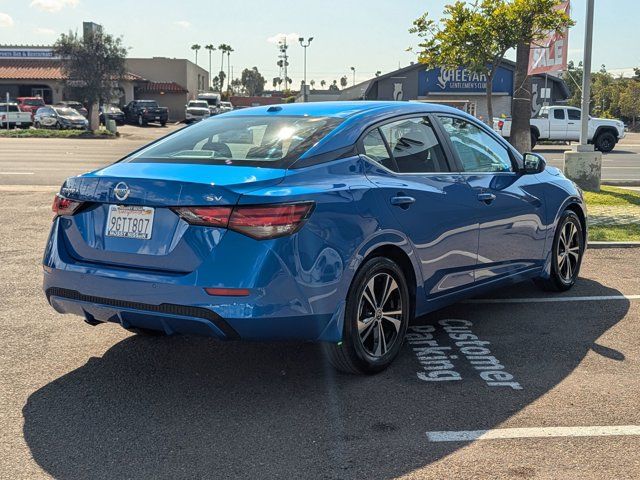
[353, 69]
[586, 78]
[305, 45]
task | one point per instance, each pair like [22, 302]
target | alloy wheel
[568, 255]
[380, 314]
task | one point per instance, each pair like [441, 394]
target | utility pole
[284, 58]
[586, 77]
[303, 45]
[584, 165]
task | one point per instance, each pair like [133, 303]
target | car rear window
[65, 111]
[273, 141]
[36, 102]
[149, 103]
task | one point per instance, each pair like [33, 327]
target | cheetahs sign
[550, 53]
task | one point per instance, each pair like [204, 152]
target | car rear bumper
[278, 307]
[170, 313]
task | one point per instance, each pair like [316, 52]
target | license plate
[157, 118]
[130, 222]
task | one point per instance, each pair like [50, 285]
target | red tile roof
[40, 70]
[167, 87]
[31, 70]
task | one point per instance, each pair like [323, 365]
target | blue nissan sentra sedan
[330, 222]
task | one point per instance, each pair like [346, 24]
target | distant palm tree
[323, 83]
[343, 81]
[211, 48]
[195, 47]
[313, 84]
[229, 50]
[378, 72]
[222, 48]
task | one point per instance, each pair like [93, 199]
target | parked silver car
[59, 117]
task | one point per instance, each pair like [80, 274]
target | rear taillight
[256, 221]
[500, 124]
[64, 206]
[207, 216]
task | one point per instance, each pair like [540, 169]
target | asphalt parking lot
[98, 402]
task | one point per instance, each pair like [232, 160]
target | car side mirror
[533, 163]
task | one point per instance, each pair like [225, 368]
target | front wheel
[605, 142]
[377, 314]
[163, 124]
[141, 122]
[566, 255]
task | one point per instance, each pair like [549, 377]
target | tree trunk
[521, 105]
[489, 91]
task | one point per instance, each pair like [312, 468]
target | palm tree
[229, 50]
[313, 84]
[195, 47]
[343, 81]
[323, 83]
[222, 48]
[378, 72]
[211, 48]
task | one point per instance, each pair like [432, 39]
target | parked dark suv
[145, 111]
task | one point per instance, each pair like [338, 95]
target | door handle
[486, 197]
[402, 201]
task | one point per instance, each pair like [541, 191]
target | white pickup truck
[11, 116]
[563, 123]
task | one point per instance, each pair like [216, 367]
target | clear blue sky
[368, 34]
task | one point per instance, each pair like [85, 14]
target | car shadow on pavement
[187, 407]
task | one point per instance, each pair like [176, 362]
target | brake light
[64, 206]
[500, 124]
[207, 216]
[256, 221]
[269, 221]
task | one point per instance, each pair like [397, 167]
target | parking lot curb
[621, 183]
[613, 245]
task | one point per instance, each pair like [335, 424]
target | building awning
[41, 70]
[162, 87]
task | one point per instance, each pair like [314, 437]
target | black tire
[534, 139]
[37, 125]
[163, 124]
[141, 122]
[605, 142]
[562, 278]
[380, 341]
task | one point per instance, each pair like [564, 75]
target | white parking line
[589, 298]
[17, 173]
[539, 432]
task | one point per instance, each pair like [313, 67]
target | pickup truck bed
[10, 114]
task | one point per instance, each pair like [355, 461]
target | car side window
[478, 151]
[414, 146]
[375, 148]
[558, 114]
[573, 114]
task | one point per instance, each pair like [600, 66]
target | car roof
[357, 116]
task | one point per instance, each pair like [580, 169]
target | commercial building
[172, 82]
[34, 70]
[457, 87]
